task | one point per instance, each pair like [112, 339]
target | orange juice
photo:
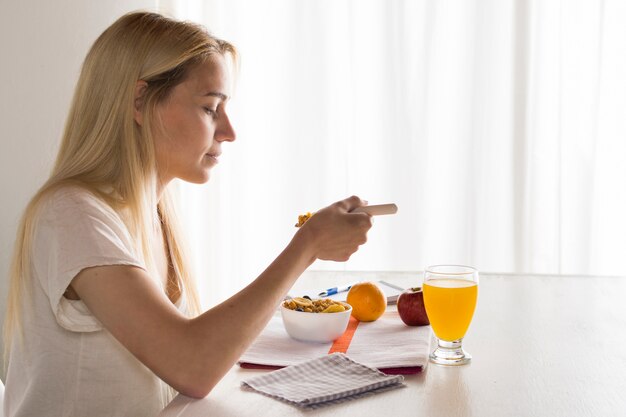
[450, 305]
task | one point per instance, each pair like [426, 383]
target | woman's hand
[335, 233]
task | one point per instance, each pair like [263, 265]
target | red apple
[411, 307]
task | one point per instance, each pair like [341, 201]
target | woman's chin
[203, 180]
[197, 177]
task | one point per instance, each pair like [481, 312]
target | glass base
[450, 353]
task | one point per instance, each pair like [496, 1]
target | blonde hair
[107, 153]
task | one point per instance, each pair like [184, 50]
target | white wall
[42, 46]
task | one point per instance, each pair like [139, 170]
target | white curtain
[497, 126]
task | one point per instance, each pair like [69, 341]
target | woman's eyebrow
[222, 96]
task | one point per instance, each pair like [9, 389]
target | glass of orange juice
[450, 293]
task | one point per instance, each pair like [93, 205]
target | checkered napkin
[327, 380]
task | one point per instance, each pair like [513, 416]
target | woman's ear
[140, 90]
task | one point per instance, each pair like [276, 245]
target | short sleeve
[75, 230]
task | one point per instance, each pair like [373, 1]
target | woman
[103, 316]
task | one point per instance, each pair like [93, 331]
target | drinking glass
[450, 293]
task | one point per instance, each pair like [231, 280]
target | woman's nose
[225, 131]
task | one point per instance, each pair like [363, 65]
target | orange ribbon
[343, 342]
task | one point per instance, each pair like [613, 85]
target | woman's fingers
[351, 203]
[338, 233]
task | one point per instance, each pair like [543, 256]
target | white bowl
[315, 327]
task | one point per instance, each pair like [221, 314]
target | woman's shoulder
[73, 200]
[74, 212]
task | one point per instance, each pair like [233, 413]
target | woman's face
[194, 124]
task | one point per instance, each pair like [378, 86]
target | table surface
[541, 346]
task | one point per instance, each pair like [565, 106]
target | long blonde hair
[104, 151]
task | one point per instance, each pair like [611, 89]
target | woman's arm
[192, 355]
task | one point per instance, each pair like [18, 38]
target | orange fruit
[367, 300]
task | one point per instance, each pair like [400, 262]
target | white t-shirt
[68, 363]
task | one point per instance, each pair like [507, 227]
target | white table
[541, 346]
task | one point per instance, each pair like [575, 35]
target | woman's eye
[211, 112]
